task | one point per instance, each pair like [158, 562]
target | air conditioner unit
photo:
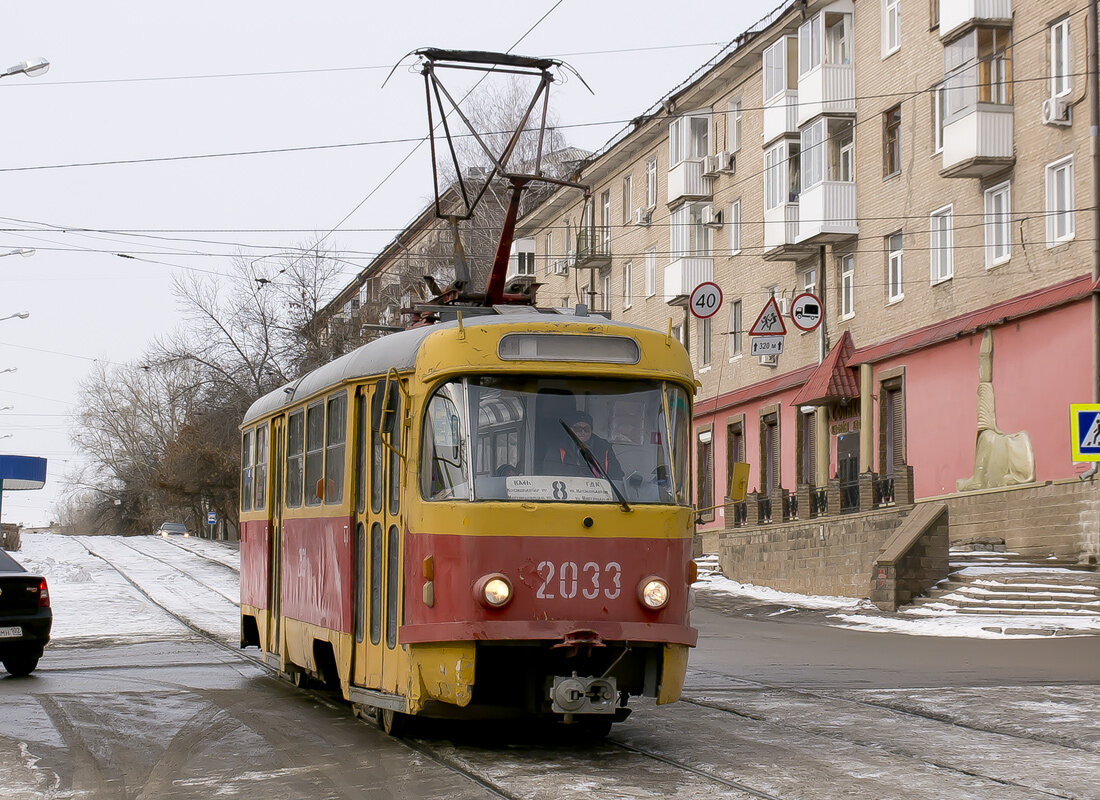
[712, 217]
[710, 166]
[560, 267]
[571, 258]
[726, 161]
[769, 361]
[642, 216]
[1056, 111]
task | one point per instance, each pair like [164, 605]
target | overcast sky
[143, 80]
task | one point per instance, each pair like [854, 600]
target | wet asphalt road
[779, 707]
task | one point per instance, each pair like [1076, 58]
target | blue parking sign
[1084, 422]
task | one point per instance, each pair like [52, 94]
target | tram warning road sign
[806, 311]
[770, 321]
[1084, 422]
[705, 300]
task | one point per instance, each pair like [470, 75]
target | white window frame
[734, 227]
[651, 272]
[847, 286]
[628, 199]
[1061, 59]
[1059, 175]
[809, 280]
[605, 291]
[939, 111]
[733, 125]
[689, 137]
[689, 237]
[628, 285]
[895, 269]
[651, 183]
[811, 41]
[706, 330]
[941, 244]
[775, 80]
[998, 234]
[813, 153]
[734, 332]
[891, 27]
[549, 252]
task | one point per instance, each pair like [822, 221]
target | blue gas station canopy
[22, 472]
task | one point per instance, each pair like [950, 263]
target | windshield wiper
[595, 464]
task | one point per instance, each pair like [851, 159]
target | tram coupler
[576, 695]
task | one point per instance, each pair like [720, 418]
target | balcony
[684, 274]
[827, 89]
[686, 181]
[827, 213]
[781, 116]
[593, 249]
[781, 234]
[957, 16]
[978, 142]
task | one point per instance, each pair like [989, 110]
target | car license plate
[11, 632]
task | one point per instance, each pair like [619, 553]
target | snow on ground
[89, 598]
[922, 621]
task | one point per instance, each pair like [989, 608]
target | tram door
[275, 536]
[377, 547]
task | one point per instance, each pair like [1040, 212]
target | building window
[807, 445]
[1061, 81]
[978, 69]
[688, 138]
[1060, 201]
[735, 329]
[891, 142]
[941, 244]
[782, 174]
[769, 453]
[628, 285]
[705, 329]
[690, 237]
[809, 45]
[827, 152]
[651, 183]
[549, 251]
[735, 445]
[997, 234]
[734, 227]
[780, 68]
[994, 65]
[605, 292]
[894, 278]
[628, 198]
[651, 272]
[847, 286]
[605, 222]
[891, 26]
[733, 126]
[809, 280]
[704, 494]
[933, 14]
[938, 113]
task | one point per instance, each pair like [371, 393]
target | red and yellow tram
[427, 523]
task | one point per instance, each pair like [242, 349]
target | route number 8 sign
[705, 300]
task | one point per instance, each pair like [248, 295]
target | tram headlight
[493, 591]
[653, 593]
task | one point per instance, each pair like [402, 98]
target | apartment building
[921, 167]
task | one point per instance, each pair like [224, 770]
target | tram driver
[570, 460]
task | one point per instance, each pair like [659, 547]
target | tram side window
[246, 471]
[361, 452]
[395, 459]
[679, 422]
[443, 459]
[259, 470]
[315, 452]
[335, 435]
[377, 454]
[294, 441]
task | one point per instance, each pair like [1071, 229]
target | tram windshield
[549, 439]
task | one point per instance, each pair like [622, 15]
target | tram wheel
[394, 723]
[593, 730]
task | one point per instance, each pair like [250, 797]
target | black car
[25, 617]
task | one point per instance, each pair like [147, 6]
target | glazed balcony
[781, 116]
[827, 213]
[686, 181]
[979, 142]
[781, 234]
[957, 16]
[685, 273]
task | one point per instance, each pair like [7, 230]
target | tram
[427, 524]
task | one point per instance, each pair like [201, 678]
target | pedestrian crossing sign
[1084, 423]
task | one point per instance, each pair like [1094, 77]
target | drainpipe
[1093, 68]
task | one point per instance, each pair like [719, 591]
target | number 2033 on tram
[480, 518]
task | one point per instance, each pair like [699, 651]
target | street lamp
[20, 314]
[19, 251]
[32, 69]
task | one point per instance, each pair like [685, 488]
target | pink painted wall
[1041, 364]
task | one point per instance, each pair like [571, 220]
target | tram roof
[399, 350]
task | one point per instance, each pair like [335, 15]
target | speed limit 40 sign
[705, 300]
